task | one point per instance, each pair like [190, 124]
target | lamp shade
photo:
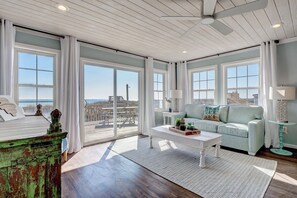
[282, 93]
[175, 94]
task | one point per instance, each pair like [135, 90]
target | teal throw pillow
[212, 113]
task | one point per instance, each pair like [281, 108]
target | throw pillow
[212, 113]
[9, 110]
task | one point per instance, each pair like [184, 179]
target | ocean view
[92, 101]
[28, 102]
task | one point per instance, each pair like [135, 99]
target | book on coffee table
[186, 132]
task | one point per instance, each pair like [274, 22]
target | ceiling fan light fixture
[207, 20]
[277, 25]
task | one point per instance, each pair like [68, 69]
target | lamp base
[281, 151]
[282, 114]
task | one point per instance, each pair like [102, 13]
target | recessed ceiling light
[62, 7]
[277, 25]
[184, 52]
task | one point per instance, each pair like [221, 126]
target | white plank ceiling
[135, 25]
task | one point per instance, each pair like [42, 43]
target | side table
[280, 150]
[167, 114]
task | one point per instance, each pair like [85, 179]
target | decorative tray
[186, 132]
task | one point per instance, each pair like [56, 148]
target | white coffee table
[201, 141]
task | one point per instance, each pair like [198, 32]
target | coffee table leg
[151, 141]
[217, 152]
[202, 158]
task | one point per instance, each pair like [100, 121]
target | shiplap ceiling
[135, 25]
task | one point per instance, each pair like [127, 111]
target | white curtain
[149, 114]
[7, 56]
[268, 79]
[171, 85]
[68, 98]
[171, 76]
[182, 84]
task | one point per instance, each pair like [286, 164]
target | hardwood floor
[284, 182]
[96, 171]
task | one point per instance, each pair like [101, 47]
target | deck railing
[127, 113]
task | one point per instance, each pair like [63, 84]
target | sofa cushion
[244, 114]
[234, 129]
[212, 113]
[204, 125]
[194, 110]
[224, 113]
[191, 120]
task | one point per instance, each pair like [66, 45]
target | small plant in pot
[182, 124]
[177, 123]
[190, 126]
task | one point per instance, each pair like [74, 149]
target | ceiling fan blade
[174, 18]
[256, 5]
[209, 7]
[221, 27]
[192, 29]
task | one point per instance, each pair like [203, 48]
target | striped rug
[231, 175]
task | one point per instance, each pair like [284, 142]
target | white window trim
[165, 88]
[100, 63]
[236, 63]
[21, 47]
[200, 69]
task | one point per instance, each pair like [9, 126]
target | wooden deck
[95, 131]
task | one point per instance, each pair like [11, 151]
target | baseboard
[290, 146]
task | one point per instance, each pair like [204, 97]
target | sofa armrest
[256, 135]
[174, 117]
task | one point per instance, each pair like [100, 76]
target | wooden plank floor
[98, 172]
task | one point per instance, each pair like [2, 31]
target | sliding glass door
[98, 108]
[110, 102]
[128, 102]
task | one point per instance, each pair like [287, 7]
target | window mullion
[37, 99]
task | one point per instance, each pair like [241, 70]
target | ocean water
[92, 101]
[30, 102]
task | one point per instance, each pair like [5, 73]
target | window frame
[165, 84]
[202, 69]
[236, 64]
[32, 49]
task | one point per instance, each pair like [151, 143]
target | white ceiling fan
[210, 18]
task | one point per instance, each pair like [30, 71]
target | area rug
[231, 175]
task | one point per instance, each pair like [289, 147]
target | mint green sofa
[241, 127]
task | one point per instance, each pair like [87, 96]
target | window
[159, 89]
[35, 80]
[203, 86]
[242, 83]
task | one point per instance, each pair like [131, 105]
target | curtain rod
[195, 59]
[52, 34]
[62, 36]
[117, 50]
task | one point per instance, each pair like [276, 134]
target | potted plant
[177, 123]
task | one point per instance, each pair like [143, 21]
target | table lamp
[175, 94]
[282, 94]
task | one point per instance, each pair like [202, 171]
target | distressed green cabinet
[31, 167]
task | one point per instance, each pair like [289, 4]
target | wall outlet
[285, 130]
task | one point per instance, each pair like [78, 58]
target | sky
[98, 83]
[28, 64]
[243, 76]
[98, 80]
